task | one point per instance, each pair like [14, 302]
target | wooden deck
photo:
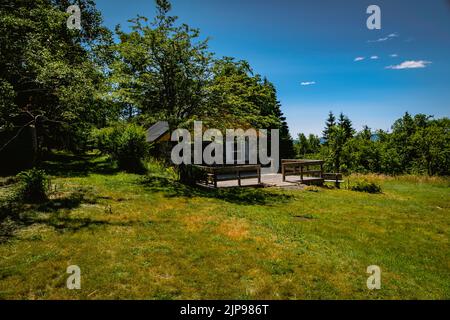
[295, 173]
[267, 180]
[309, 171]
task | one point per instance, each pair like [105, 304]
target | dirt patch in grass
[236, 229]
[195, 223]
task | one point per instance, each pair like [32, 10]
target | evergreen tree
[345, 123]
[329, 124]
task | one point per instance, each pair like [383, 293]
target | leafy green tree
[432, 143]
[335, 148]
[361, 153]
[402, 131]
[303, 145]
[314, 143]
[51, 82]
[161, 69]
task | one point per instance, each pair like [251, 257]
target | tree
[303, 145]
[432, 143]
[51, 80]
[162, 69]
[337, 139]
[345, 123]
[329, 124]
[402, 131]
[314, 143]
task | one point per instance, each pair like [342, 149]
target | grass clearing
[149, 237]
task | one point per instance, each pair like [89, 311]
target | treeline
[59, 86]
[96, 88]
[416, 144]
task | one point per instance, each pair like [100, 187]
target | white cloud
[410, 65]
[379, 40]
[389, 37]
[374, 57]
[307, 83]
[359, 59]
[394, 55]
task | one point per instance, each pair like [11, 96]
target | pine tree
[286, 142]
[329, 124]
[346, 124]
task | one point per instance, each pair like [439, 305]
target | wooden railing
[215, 174]
[301, 167]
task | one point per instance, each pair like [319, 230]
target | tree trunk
[34, 144]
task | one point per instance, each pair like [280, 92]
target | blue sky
[317, 41]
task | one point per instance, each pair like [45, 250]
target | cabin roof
[157, 131]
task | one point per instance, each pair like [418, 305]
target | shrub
[131, 148]
[33, 185]
[158, 168]
[365, 185]
[125, 143]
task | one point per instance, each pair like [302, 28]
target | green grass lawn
[148, 237]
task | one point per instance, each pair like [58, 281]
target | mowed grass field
[149, 237]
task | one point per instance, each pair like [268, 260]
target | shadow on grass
[72, 201]
[68, 165]
[237, 195]
[55, 213]
[62, 222]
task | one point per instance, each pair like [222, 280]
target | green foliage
[306, 146]
[334, 148]
[125, 143]
[364, 185]
[161, 68]
[62, 83]
[33, 186]
[157, 168]
[164, 71]
[329, 124]
[416, 145]
[131, 148]
[241, 99]
[345, 123]
[52, 78]
[303, 145]
[106, 139]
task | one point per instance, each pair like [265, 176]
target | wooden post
[239, 177]
[301, 173]
[259, 175]
[283, 172]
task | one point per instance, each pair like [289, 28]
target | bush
[125, 143]
[33, 186]
[158, 168]
[365, 185]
